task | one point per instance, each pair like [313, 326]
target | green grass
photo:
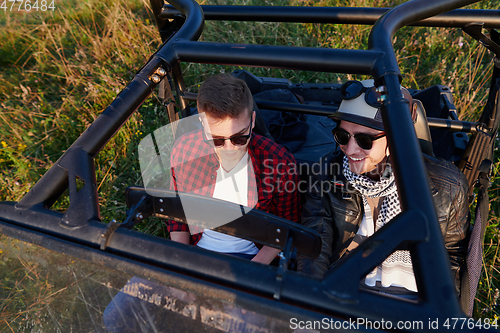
[59, 71]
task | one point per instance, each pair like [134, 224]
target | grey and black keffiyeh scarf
[386, 189]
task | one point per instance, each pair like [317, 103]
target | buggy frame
[80, 233]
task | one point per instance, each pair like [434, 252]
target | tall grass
[59, 71]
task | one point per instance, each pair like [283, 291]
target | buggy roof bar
[80, 223]
[451, 125]
[335, 15]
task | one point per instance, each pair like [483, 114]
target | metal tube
[192, 28]
[310, 59]
[291, 107]
[347, 15]
[335, 15]
[400, 16]
[453, 125]
[413, 186]
[414, 194]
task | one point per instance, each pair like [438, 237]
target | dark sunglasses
[237, 140]
[364, 141]
[353, 89]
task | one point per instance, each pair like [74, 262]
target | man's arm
[453, 212]
[455, 234]
[317, 217]
[266, 255]
[179, 232]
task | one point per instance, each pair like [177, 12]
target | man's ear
[387, 152]
[254, 114]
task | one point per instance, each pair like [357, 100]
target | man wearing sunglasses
[364, 196]
[234, 164]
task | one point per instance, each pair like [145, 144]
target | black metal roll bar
[334, 15]
[336, 295]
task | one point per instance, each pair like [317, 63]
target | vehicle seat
[422, 129]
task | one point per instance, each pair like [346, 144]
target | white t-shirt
[394, 277]
[230, 186]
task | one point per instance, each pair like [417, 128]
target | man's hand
[180, 236]
[266, 255]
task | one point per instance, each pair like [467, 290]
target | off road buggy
[176, 288]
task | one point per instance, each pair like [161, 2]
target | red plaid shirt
[194, 167]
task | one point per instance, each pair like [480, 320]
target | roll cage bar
[180, 27]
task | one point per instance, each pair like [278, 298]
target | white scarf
[397, 268]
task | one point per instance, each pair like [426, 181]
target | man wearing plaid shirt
[227, 161]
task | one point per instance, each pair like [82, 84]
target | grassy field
[60, 69]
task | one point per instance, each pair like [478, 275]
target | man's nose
[352, 146]
[228, 145]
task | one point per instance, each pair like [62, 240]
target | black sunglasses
[237, 140]
[364, 141]
[353, 89]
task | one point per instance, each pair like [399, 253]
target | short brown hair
[225, 96]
